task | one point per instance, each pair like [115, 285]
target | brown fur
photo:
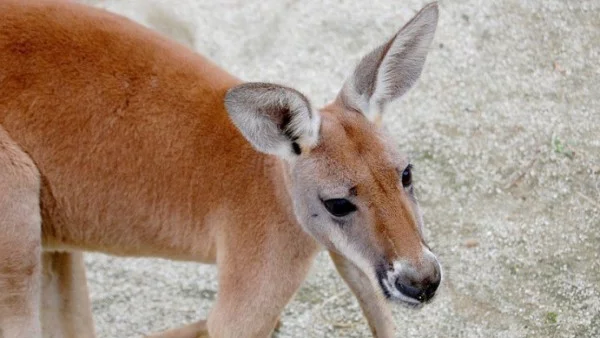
[118, 138]
[20, 242]
[356, 147]
[66, 309]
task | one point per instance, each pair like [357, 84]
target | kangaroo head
[351, 189]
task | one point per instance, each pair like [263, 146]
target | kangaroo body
[115, 139]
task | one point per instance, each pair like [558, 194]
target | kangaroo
[116, 139]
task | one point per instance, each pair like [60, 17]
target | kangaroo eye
[339, 207]
[407, 176]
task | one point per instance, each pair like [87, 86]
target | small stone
[471, 243]
[558, 67]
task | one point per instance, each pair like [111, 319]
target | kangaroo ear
[275, 119]
[391, 69]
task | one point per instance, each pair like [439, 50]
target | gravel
[503, 129]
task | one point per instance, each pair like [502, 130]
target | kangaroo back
[128, 129]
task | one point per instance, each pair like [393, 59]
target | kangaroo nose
[431, 289]
[419, 287]
[422, 291]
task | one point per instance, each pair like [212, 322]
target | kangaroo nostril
[409, 290]
[431, 289]
[423, 291]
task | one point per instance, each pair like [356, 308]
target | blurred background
[504, 131]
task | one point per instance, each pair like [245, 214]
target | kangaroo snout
[421, 288]
[413, 283]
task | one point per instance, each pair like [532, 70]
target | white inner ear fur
[302, 125]
[305, 123]
[398, 69]
[257, 110]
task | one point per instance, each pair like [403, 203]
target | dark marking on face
[341, 223]
[296, 148]
[381, 273]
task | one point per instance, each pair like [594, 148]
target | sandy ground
[504, 132]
